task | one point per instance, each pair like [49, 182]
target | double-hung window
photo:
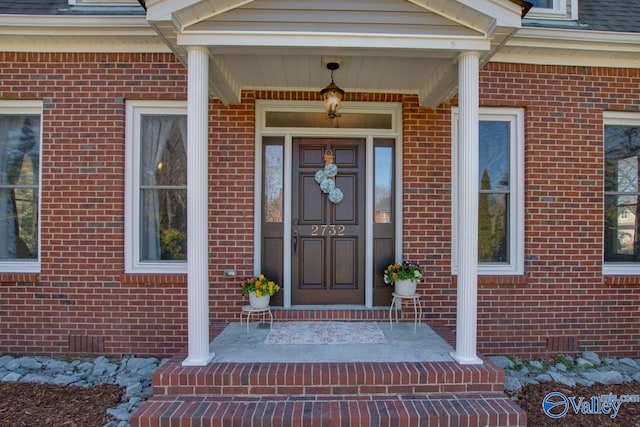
[621, 193]
[156, 187]
[20, 142]
[501, 192]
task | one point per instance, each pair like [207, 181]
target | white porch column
[197, 207]
[468, 152]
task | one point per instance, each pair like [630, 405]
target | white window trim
[132, 262]
[558, 11]
[516, 220]
[26, 265]
[624, 119]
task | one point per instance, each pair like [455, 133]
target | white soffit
[572, 47]
[27, 33]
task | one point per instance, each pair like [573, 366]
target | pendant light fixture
[332, 94]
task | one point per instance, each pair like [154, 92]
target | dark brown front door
[328, 238]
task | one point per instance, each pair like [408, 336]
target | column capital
[468, 53]
[204, 49]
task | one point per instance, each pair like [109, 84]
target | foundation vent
[86, 344]
[563, 344]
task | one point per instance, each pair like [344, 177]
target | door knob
[294, 238]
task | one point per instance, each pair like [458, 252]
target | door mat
[325, 333]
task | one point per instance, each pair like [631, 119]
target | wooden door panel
[346, 273]
[328, 256]
[310, 197]
[347, 213]
[346, 157]
[311, 256]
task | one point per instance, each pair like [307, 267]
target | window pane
[493, 206]
[163, 192]
[19, 170]
[492, 227]
[163, 232]
[622, 149]
[494, 154]
[621, 228]
[546, 4]
[383, 184]
[163, 150]
[321, 120]
[273, 183]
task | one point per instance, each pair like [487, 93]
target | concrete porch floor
[235, 344]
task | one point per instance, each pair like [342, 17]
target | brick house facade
[83, 301]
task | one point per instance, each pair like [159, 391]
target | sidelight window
[20, 124]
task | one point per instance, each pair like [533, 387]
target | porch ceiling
[383, 45]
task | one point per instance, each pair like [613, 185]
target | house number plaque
[328, 230]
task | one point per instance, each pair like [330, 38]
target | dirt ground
[530, 399]
[33, 404]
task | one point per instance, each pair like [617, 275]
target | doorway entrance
[327, 254]
[323, 251]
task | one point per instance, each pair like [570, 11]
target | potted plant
[260, 290]
[403, 276]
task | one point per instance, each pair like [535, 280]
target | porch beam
[468, 157]
[197, 207]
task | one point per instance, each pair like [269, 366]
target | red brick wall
[83, 299]
[79, 291]
[564, 293]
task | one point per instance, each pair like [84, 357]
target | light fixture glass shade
[332, 97]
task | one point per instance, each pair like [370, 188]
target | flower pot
[405, 287]
[259, 302]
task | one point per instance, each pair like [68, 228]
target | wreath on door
[327, 178]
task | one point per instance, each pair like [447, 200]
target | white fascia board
[162, 10]
[591, 59]
[40, 24]
[336, 40]
[576, 39]
[505, 12]
[493, 13]
[99, 46]
[178, 11]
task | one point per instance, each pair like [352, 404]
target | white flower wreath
[335, 195]
[327, 185]
[331, 170]
[326, 178]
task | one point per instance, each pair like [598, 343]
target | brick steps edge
[446, 409]
[327, 378]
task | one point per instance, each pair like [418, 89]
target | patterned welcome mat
[325, 333]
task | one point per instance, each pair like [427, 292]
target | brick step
[326, 378]
[460, 409]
